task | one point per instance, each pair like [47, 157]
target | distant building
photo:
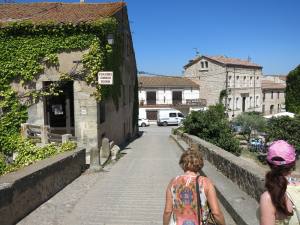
[157, 92]
[216, 74]
[273, 90]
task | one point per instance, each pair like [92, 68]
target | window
[278, 94]
[172, 114]
[278, 108]
[271, 94]
[251, 81]
[180, 115]
[245, 84]
[264, 96]
[151, 97]
[237, 103]
[202, 64]
[256, 101]
[102, 111]
[177, 97]
[206, 64]
[229, 83]
[237, 81]
[229, 103]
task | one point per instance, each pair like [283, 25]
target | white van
[167, 117]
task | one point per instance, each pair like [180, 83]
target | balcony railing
[187, 102]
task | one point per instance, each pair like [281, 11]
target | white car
[143, 122]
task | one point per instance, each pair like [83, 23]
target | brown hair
[191, 160]
[276, 184]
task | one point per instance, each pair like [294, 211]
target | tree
[292, 99]
[212, 126]
[250, 121]
[285, 128]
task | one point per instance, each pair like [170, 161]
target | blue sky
[165, 32]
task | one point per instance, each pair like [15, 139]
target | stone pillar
[24, 130]
[44, 134]
[65, 138]
[105, 150]
[95, 160]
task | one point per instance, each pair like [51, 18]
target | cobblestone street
[132, 191]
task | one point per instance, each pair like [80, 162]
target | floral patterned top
[184, 196]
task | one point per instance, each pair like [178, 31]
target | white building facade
[157, 92]
[240, 79]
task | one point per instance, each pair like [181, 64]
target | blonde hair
[191, 160]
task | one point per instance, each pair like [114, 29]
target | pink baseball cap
[283, 150]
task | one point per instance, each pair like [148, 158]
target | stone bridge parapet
[249, 178]
[26, 189]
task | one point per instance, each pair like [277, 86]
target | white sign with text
[105, 77]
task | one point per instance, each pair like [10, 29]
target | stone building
[76, 111]
[156, 92]
[273, 92]
[216, 74]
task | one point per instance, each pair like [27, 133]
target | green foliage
[292, 99]
[223, 94]
[285, 128]
[213, 126]
[28, 153]
[250, 121]
[26, 46]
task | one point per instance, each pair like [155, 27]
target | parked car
[167, 117]
[143, 122]
[257, 144]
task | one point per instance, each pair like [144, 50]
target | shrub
[285, 128]
[28, 153]
[213, 126]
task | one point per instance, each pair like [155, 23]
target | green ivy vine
[27, 47]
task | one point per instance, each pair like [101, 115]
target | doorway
[59, 110]
[244, 104]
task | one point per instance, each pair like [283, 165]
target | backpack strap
[199, 205]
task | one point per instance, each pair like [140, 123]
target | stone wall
[248, 177]
[23, 191]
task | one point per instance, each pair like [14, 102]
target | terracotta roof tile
[226, 61]
[58, 12]
[166, 81]
[268, 84]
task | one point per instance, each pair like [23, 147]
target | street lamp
[110, 39]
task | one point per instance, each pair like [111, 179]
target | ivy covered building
[51, 54]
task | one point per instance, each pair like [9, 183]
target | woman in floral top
[181, 197]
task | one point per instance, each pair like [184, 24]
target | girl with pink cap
[279, 203]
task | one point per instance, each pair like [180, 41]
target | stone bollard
[95, 160]
[114, 152]
[65, 138]
[105, 150]
[44, 134]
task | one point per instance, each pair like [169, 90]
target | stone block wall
[23, 191]
[249, 178]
